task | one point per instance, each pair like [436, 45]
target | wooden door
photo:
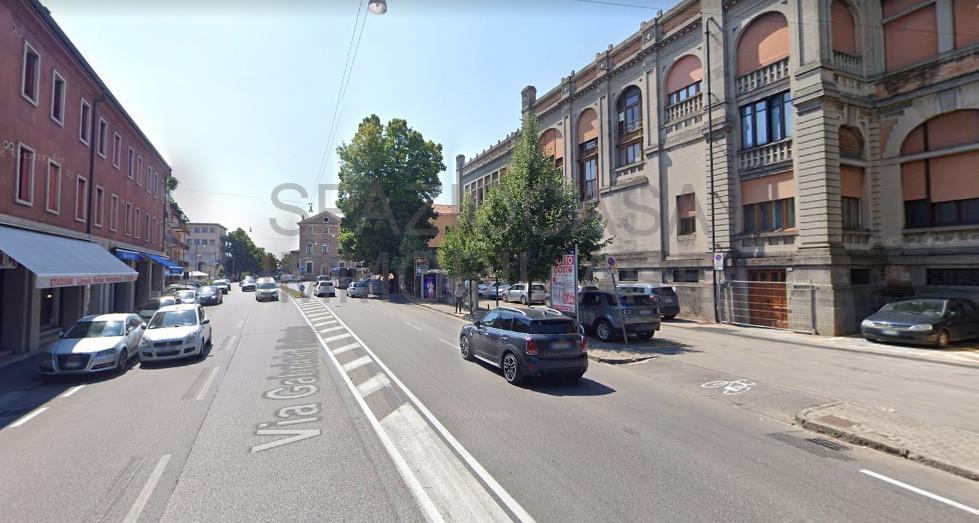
[768, 298]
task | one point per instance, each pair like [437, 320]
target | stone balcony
[769, 154]
[761, 77]
[686, 109]
[848, 63]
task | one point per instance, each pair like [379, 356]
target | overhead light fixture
[377, 7]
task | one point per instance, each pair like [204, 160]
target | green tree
[172, 183]
[534, 216]
[462, 253]
[269, 263]
[245, 256]
[388, 180]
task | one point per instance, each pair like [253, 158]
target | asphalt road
[363, 410]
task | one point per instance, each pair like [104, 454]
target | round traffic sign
[611, 261]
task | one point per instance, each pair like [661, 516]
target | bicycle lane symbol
[730, 387]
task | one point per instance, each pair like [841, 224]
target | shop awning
[172, 268]
[126, 255]
[63, 262]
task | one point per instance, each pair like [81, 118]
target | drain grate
[831, 445]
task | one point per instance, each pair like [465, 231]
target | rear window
[666, 292]
[636, 300]
[553, 327]
[537, 287]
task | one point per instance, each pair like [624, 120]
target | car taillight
[584, 344]
[531, 347]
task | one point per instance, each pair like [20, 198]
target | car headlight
[144, 343]
[106, 352]
[190, 338]
[921, 327]
[866, 323]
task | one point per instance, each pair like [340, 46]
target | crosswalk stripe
[331, 329]
[372, 385]
[337, 337]
[340, 350]
[357, 363]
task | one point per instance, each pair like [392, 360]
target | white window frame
[139, 224]
[149, 180]
[85, 124]
[55, 76]
[37, 74]
[99, 216]
[114, 213]
[78, 182]
[101, 138]
[139, 170]
[21, 147]
[47, 184]
[146, 227]
[129, 219]
[131, 169]
[116, 150]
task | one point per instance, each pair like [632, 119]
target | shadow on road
[554, 386]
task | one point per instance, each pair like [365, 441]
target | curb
[620, 361]
[879, 444]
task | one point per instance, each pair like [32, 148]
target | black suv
[527, 342]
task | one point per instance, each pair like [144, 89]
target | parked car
[357, 290]
[497, 290]
[526, 342]
[224, 285]
[266, 289]
[210, 295]
[519, 292]
[94, 343]
[325, 288]
[323, 277]
[186, 296]
[598, 311]
[248, 284]
[146, 310]
[482, 289]
[177, 331]
[665, 296]
[173, 289]
[377, 287]
[936, 322]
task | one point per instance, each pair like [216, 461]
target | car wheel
[123, 364]
[645, 335]
[523, 300]
[871, 340]
[670, 316]
[511, 369]
[465, 348]
[942, 340]
[603, 329]
[203, 354]
[574, 376]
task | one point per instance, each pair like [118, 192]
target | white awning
[63, 262]
[198, 274]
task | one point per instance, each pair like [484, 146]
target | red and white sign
[564, 280]
[69, 280]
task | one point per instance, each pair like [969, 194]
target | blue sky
[240, 96]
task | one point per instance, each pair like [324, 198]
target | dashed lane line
[207, 384]
[69, 392]
[412, 325]
[24, 419]
[449, 343]
[144, 495]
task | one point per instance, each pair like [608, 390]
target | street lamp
[378, 7]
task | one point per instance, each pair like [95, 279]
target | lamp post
[377, 7]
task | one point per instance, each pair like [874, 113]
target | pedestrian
[460, 292]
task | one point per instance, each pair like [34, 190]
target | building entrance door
[768, 299]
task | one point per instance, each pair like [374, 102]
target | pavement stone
[942, 447]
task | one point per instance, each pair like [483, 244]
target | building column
[21, 315]
[722, 147]
[143, 282]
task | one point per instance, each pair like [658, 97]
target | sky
[240, 96]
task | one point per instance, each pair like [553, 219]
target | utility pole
[710, 156]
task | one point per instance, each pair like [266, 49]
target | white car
[266, 289]
[94, 343]
[519, 292]
[187, 296]
[177, 331]
[325, 288]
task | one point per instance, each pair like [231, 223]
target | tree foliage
[462, 252]
[388, 180]
[244, 255]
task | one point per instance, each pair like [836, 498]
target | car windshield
[553, 327]
[207, 291]
[187, 294]
[666, 292]
[150, 305]
[266, 285]
[95, 329]
[537, 287]
[933, 308]
[636, 300]
[182, 318]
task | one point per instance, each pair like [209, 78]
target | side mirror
[478, 323]
[205, 321]
[61, 333]
[142, 325]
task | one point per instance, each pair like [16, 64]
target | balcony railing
[685, 109]
[765, 155]
[848, 63]
[761, 77]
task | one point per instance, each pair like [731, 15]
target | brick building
[839, 140]
[318, 244]
[82, 189]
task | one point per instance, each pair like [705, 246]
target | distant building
[447, 217]
[207, 249]
[318, 244]
[177, 234]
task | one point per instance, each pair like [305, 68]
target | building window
[139, 170]
[85, 123]
[81, 199]
[686, 275]
[114, 213]
[116, 150]
[129, 219]
[859, 276]
[138, 220]
[628, 274]
[588, 170]
[149, 180]
[765, 41]
[852, 219]
[147, 230]
[770, 216]
[58, 98]
[309, 247]
[325, 248]
[30, 74]
[910, 32]
[686, 209]
[630, 154]
[52, 198]
[629, 126]
[766, 121]
[683, 94]
[967, 277]
[103, 136]
[210, 242]
[131, 169]
[99, 206]
[24, 193]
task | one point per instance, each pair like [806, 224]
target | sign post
[564, 284]
[618, 299]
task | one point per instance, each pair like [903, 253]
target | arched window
[684, 79]
[851, 178]
[941, 187]
[844, 33]
[588, 155]
[764, 42]
[552, 144]
[629, 136]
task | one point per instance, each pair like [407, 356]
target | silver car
[357, 290]
[536, 293]
[94, 343]
[266, 289]
[186, 296]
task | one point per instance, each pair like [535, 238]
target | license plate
[72, 364]
[645, 313]
[889, 332]
[562, 345]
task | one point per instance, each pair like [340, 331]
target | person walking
[459, 293]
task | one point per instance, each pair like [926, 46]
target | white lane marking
[357, 363]
[924, 493]
[449, 343]
[340, 350]
[413, 326]
[331, 329]
[501, 493]
[71, 391]
[144, 495]
[240, 324]
[28, 417]
[207, 384]
[425, 503]
[337, 337]
[386, 313]
[322, 323]
[373, 384]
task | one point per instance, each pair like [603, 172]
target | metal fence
[776, 305]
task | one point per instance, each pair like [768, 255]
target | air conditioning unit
[6, 262]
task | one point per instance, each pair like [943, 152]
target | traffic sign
[719, 261]
[611, 261]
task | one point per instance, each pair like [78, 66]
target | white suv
[325, 288]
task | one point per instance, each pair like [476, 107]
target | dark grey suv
[526, 342]
[600, 312]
